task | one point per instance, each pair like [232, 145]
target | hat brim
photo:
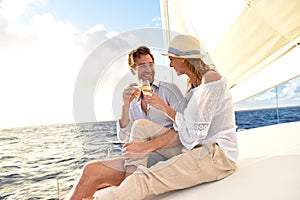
[186, 56]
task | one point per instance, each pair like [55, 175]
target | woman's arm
[137, 150]
[155, 101]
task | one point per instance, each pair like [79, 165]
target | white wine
[146, 87]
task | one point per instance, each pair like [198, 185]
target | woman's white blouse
[209, 117]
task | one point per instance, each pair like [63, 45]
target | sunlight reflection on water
[34, 159]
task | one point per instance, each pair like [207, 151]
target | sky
[43, 46]
[284, 95]
[49, 49]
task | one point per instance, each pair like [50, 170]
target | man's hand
[134, 151]
[131, 92]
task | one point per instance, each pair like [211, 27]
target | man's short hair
[136, 53]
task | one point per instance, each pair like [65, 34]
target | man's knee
[141, 123]
[92, 168]
[138, 130]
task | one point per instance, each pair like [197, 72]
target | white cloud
[95, 29]
[288, 91]
[112, 34]
[39, 64]
[156, 19]
[14, 9]
[288, 95]
[265, 96]
[93, 37]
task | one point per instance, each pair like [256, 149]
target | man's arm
[129, 94]
[124, 123]
[124, 120]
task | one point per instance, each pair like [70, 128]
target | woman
[206, 128]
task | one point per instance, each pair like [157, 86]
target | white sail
[242, 38]
[255, 44]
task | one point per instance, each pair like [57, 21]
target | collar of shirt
[155, 83]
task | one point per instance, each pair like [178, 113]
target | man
[141, 63]
[100, 174]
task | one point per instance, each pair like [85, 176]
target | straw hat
[185, 46]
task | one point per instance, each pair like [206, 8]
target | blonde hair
[198, 67]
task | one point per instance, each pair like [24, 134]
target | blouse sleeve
[194, 123]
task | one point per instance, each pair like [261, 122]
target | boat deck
[268, 168]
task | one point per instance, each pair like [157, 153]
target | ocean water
[43, 162]
[264, 117]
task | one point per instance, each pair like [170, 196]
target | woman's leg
[96, 175]
[203, 164]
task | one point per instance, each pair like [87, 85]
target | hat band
[177, 52]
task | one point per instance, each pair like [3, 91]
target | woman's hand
[155, 101]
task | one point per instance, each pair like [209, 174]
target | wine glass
[146, 86]
[137, 93]
[142, 87]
